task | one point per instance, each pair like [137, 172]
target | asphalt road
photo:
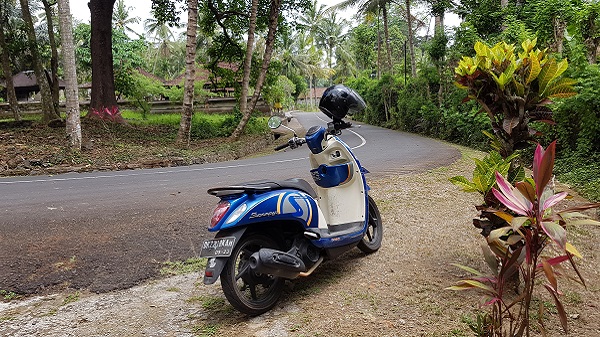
[110, 230]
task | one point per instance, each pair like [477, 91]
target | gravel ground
[398, 291]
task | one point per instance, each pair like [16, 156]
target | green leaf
[468, 269]
[518, 222]
[561, 88]
[556, 232]
[534, 68]
[547, 74]
[463, 183]
[584, 222]
[471, 284]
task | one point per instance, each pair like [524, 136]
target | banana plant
[514, 88]
[521, 244]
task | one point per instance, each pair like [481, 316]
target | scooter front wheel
[249, 292]
[371, 242]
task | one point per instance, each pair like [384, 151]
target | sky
[141, 9]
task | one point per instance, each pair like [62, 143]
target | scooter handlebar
[281, 147]
[293, 143]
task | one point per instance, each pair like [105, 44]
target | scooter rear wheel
[371, 242]
[250, 292]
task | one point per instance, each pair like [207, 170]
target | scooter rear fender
[278, 205]
[215, 265]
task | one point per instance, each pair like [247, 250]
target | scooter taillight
[219, 212]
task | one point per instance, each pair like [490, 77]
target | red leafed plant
[531, 229]
[112, 114]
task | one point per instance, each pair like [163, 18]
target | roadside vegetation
[516, 80]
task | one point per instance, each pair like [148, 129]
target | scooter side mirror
[274, 122]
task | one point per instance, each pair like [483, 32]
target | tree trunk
[7, 70]
[246, 77]
[48, 112]
[387, 37]
[378, 49]
[103, 103]
[53, 78]
[73, 128]
[269, 46]
[269, 43]
[411, 47]
[185, 126]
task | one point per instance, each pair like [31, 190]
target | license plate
[220, 247]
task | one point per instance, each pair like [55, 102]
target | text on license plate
[220, 247]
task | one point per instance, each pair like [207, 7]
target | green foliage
[519, 246]
[484, 174]
[204, 126]
[183, 267]
[513, 88]
[142, 89]
[280, 92]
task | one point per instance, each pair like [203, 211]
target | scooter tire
[371, 241]
[248, 292]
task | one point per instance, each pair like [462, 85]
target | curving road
[104, 231]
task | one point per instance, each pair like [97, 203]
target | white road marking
[140, 173]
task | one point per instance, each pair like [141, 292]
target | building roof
[27, 79]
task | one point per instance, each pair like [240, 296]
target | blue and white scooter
[269, 231]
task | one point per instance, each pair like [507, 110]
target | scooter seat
[264, 186]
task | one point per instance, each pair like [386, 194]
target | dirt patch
[398, 291]
[28, 148]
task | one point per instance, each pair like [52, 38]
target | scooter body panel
[277, 205]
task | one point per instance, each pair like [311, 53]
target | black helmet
[338, 101]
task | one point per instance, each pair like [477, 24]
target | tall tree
[185, 125]
[246, 74]
[374, 7]
[48, 111]
[53, 76]
[103, 103]
[273, 20]
[71, 90]
[121, 19]
[411, 41]
[6, 68]
[330, 36]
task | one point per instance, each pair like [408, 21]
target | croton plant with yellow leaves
[513, 88]
[523, 233]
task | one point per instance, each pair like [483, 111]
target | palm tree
[298, 55]
[331, 36]
[6, 7]
[161, 35]
[73, 121]
[185, 126]
[311, 20]
[48, 110]
[374, 7]
[121, 19]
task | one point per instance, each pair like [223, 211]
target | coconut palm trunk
[73, 128]
[53, 76]
[411, 43]
[386, 32]
[7, 70]
[185, 126]
[48, 111]
[269, 46]
[246, 75]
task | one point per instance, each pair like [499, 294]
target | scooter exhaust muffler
[276, 263]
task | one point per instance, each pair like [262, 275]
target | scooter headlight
[219, 212]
